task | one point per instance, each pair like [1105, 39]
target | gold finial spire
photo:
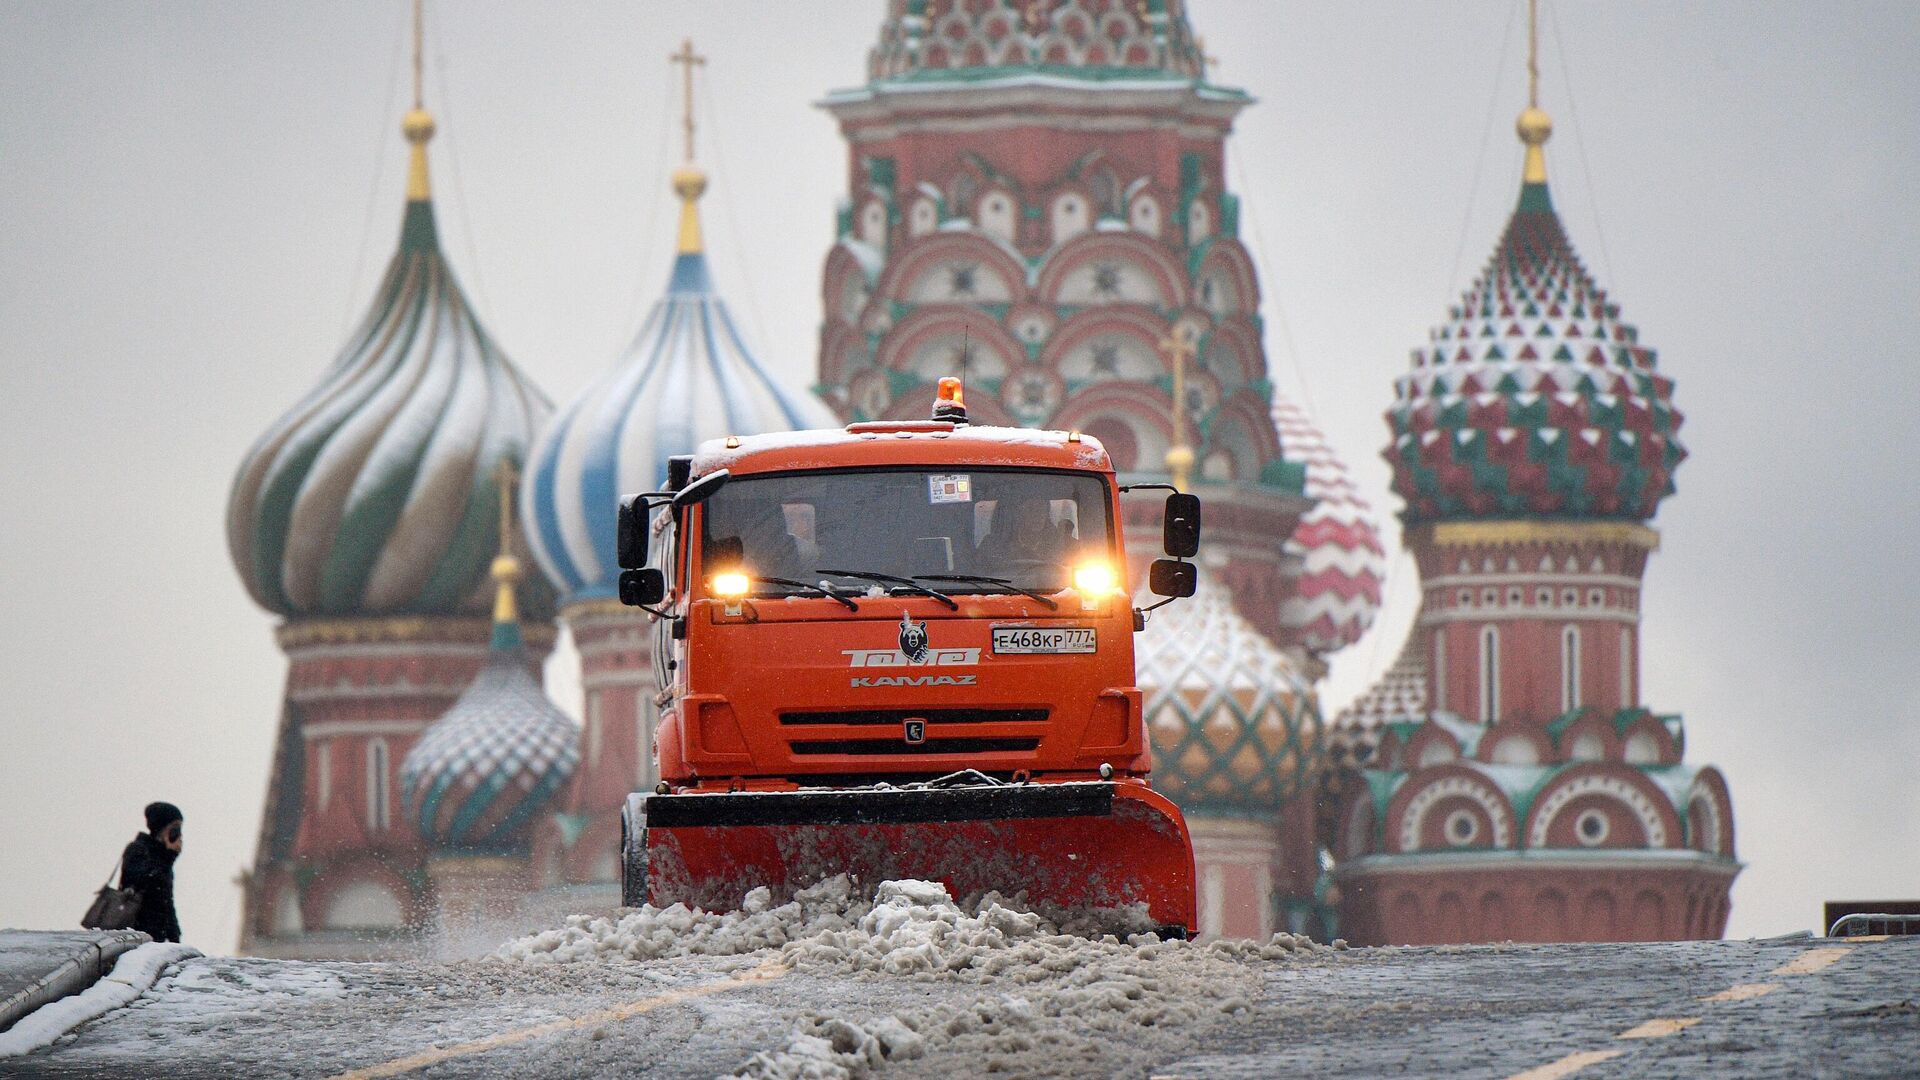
[1534, 125]
[1180, 347]
[688, 181]
[417, 126]
[506, 568]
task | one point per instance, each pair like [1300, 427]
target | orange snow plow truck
[900, 650]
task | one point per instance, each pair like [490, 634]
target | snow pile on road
[907, 927]
[132, 974]
[1050, 1000]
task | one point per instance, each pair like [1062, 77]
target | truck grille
[898, 747]
[896, 717]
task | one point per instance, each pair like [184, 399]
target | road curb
[89, 960]
[133, 972]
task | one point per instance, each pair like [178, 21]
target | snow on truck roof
[907, 442]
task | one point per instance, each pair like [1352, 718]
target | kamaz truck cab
[901, 649]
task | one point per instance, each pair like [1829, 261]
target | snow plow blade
[1076, 845]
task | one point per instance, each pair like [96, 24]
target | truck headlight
[731, 584]
[1094, 578]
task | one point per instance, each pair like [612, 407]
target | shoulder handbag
[112, 909]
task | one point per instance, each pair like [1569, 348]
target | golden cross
[1200, 47]
[1533, 50]
[418, 36]
[688, 59]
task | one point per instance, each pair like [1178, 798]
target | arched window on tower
[322, 774]
[1627, 666]
[1489, 674]
[1106, 193]
[379, 787]
[965, 190]
[596, 731]
[1569, 668]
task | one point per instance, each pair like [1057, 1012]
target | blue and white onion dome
[375, 494]
[482, 771]
[688, 377]
[1235, 728]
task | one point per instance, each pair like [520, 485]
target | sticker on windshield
[956, 488]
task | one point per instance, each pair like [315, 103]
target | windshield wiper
[899, 582]
[825, 588]
[981, 579]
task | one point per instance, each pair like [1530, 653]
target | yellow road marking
[770, 969]
[1811, 961]
[1743, 992]
[1567, 1066]
[1659, 1029]
[1870, 937]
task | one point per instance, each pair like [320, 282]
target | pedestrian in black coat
[147, 868]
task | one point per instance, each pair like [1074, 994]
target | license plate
[1017, 640]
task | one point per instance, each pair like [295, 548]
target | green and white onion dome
[1235, 728]
[374, 495]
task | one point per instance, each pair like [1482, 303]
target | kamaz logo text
[914, 680]
[897, 658]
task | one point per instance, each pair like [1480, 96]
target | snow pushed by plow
[1046, 991]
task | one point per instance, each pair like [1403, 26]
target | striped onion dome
[1343, 562]
[374, 495]
[1533, 399]
[1235, 728]
[687, 377]
[482, 771]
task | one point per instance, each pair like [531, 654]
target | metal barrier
[1874, 924]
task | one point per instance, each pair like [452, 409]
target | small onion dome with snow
[1533, 398]
[1338, 591]
[687, 377]
[1234, 727]
[482, 771]
[375, 495]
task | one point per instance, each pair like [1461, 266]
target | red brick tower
[1037, 202]
[1514, 786]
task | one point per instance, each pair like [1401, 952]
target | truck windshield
[1028, 527]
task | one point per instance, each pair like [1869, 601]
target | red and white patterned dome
[1343, 562]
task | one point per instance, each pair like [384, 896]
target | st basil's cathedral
[1036, 199]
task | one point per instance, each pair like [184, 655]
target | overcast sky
[197, 198]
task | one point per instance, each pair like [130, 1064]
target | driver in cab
[1025, 542]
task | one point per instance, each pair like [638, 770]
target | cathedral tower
[687, 376]
[366, 518]
[1037, 202]
[1516, 786]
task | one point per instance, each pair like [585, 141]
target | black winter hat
[162, 814]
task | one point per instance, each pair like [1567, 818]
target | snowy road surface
[914, 986]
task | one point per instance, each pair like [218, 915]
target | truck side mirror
[701, 490]
[679, 471]
[630, 535]
[642, 588]
[1182, 528]
[1172, 578]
